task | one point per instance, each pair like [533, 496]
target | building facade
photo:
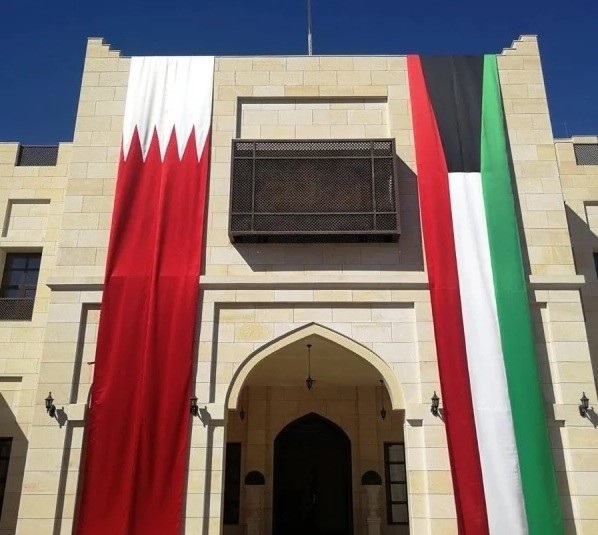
[362, 441]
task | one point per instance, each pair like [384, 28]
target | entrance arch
[314, 329]
[312, 491]
[269, 390]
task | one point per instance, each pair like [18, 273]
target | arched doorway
[302, 335]
[268, 397]
[312, 479]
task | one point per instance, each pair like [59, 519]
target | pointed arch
[310, 417]
[393, 386]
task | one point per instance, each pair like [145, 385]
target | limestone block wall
[580, 189]
[561, 339]
[31, 204]
[89, 193]
[48, 503]
[543, 220]
[311, 97]
[80, 240]
[304, 118]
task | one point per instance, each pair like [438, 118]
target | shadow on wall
[585, 242]
[554, 426]
[67, 452]
[524, 250]
[85, 337]
[9, 428]
[405, 255]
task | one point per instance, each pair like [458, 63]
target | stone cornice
[406, 280]
[556, 282]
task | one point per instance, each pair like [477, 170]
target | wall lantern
[194, 406]
[435, 404]
[242, 413]
[309, 382]
[50, 407]
[584, 406]
[382, 410]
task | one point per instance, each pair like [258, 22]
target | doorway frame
[296, 422]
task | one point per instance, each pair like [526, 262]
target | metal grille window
[232, 483]
[586, 153]
[31, 155]
[396, 483]
[313, 191]
[19, 284]
[5, 447]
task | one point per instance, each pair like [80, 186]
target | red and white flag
[136, 447]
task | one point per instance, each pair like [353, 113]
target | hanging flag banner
[136, 446]
[500, 454]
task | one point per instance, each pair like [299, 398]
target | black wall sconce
[434, 408]
[50, 407]
[584, 406]
[242, 413]
[194, 406]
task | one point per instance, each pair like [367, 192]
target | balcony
[305, 191]
[16, 308]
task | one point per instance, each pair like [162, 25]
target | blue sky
[42, 44]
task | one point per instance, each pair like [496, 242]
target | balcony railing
[16, 308]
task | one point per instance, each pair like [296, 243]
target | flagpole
[309, 39]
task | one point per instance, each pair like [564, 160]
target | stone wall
[31, 204]
[580, 190]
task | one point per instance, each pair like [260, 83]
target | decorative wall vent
[30, 155]
[586, 153]
[300, 191]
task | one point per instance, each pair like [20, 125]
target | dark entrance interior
[312, 479]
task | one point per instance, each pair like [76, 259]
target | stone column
[372, 494]
[372, 483]
[254, 493]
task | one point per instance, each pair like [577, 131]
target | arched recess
[393, 387]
